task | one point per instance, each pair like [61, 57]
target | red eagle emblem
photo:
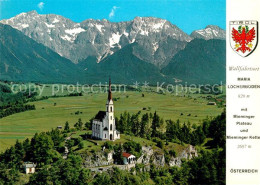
[243, 38]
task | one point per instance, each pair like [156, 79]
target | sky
[188, 15]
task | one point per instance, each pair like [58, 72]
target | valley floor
[54, 112]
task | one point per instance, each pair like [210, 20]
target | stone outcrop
[98, 159]
[189, 153]
[148, 157]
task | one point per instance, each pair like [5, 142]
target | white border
[243, 158]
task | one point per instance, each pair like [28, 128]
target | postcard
[129, 92]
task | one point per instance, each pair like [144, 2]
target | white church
[103, 125]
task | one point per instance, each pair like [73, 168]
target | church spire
[109, 91]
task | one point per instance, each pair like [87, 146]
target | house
[59, 127]
[128, 158]
[29, 167]
[103, 125]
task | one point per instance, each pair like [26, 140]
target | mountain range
[23, 59]
[143, 48]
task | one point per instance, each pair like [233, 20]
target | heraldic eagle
[243, 38]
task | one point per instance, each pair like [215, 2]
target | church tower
[110, 114]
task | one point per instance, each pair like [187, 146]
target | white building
[103, 125]
[29, 167]
[128, 158]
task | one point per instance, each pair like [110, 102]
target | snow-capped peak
[210, 32]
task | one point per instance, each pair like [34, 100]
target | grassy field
[53, 112]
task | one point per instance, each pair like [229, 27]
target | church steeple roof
[109, 91]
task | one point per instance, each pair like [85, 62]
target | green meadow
[54, 112]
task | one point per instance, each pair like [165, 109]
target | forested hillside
[11, 103]
[46, 150]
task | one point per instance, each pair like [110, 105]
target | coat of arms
[243, 36]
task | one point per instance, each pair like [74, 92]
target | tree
[63, 172]
[81, 145]
[198, 136]
[185, 134]
[27, 148]
[172, 153]
[161, 128]
[70, 144]
[56, 136]
[78, 125]
[10, 157]
[88, 124]
[19, 151]
[155, 124]
[123, 177]
[144, 130]
[203, 169]
[108, 145]
[160, 143]
[135, 127]
[118, 158]
[8, 176]
[122, 123]
[102, 178]
[217, 130]
[133, 148]
[171, 130]
[67, 126]
[42, 148]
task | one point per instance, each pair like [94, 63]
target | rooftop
[29, 165]
[124, 154]
[100, 115]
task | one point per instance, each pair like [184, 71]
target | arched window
[111, 127]
[111, 109]
[105, 136]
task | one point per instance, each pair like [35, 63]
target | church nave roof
[100, 115]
